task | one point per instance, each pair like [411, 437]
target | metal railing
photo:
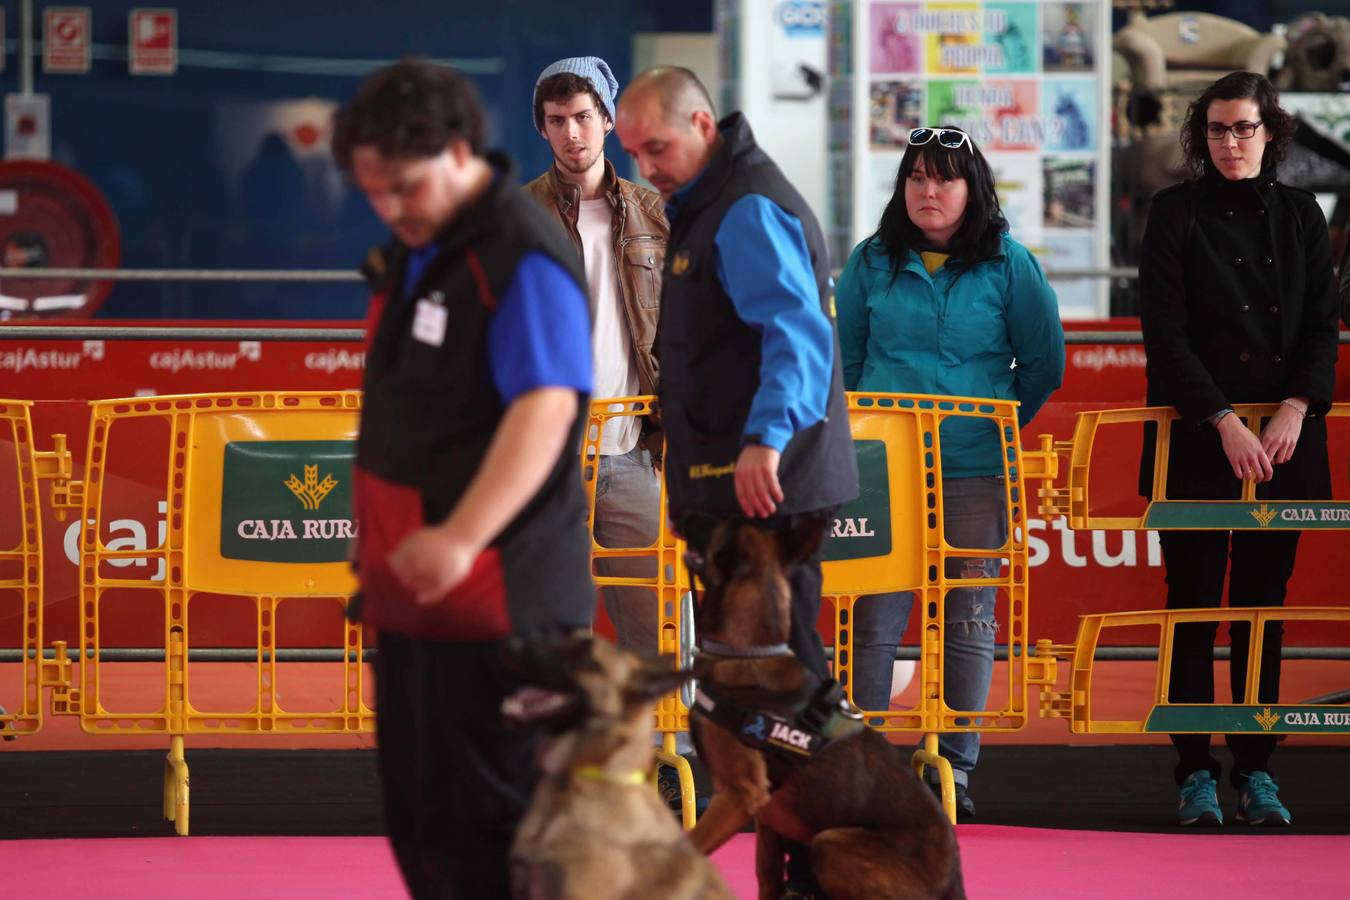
[16, 331]
[326, 655]
[245, 275]
[348, 275]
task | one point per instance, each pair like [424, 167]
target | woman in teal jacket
[940, 300]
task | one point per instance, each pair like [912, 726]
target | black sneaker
[965, 807]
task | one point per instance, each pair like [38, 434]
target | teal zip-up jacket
[992, 331]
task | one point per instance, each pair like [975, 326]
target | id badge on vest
[430, 319]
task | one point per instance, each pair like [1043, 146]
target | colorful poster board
[1026, 78]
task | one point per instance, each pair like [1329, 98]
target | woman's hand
[1280, 436]
[1245, 453]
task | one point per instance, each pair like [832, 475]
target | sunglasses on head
[949, 138]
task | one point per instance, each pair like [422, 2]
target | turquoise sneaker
[1200, 800]
[1259, 802]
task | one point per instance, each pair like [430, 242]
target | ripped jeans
[976, 517]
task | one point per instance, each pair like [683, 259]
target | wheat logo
[1266, 719]
[311, 491]
[1264, 515]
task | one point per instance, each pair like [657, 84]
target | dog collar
[714, 648]
[595, 773]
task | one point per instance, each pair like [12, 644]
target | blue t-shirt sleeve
[765, 267]
[540, 333]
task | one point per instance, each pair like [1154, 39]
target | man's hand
[431, 562]
[1280, 436]
[1245, 453]
[757, 488]
[654, 442]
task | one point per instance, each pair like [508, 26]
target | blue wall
[199, 178]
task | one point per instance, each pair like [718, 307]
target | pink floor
[1003, 863]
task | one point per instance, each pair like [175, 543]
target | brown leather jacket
[640, 235]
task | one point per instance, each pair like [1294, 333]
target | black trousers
[1261, 563]
[804, 582]
[456, 778]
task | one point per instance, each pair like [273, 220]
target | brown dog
[595, 829]
[789, 752]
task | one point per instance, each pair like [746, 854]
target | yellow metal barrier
[874, 550]
[1165, 717]
[897, 438]
[669, 584]
[224, 449]
[258, 507]
[1244, 514]
[1247, 513]
[21, 567]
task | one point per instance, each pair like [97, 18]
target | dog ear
[802, 539]
[655, 678]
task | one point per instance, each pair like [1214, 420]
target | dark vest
[710, 358]
[429, 414]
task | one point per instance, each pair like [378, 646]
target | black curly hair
[409, 110]
[1279, 124]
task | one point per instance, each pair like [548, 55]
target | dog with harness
[596, 829]
[787, 750]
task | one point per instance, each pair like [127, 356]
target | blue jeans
[975, 517]
[627, 514]
[627, 507]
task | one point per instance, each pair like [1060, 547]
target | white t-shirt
[612, 346]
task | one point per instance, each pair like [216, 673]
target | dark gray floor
[1131, 788]
[47, 794]
[301, 792]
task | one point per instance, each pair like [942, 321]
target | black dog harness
[794, 726]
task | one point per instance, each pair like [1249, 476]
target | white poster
[798, 36]
[28, 126]
[1027, 79]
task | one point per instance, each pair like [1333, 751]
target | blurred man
[472, 520]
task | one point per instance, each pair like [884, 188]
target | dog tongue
[530, 702]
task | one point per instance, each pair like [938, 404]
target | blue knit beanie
[593, 69]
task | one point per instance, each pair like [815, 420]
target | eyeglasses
[1243, 131]
[949, 138]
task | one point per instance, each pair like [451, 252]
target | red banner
[1072, 572]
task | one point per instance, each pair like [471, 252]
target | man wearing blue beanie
[620, 231]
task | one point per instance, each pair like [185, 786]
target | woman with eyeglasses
[940, 300]
[1238, 306]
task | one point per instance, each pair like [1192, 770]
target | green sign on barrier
[1271, 514]
[862, 529]
[287, 501]
[1227, 719]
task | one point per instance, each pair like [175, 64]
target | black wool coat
[1239, 306]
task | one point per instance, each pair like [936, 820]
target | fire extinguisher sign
[65, 39]
[152, 36]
